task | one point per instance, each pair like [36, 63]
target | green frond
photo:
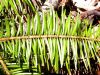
[31, 41]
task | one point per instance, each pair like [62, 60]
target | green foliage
[34, 40]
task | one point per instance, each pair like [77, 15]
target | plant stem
[4, 67]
